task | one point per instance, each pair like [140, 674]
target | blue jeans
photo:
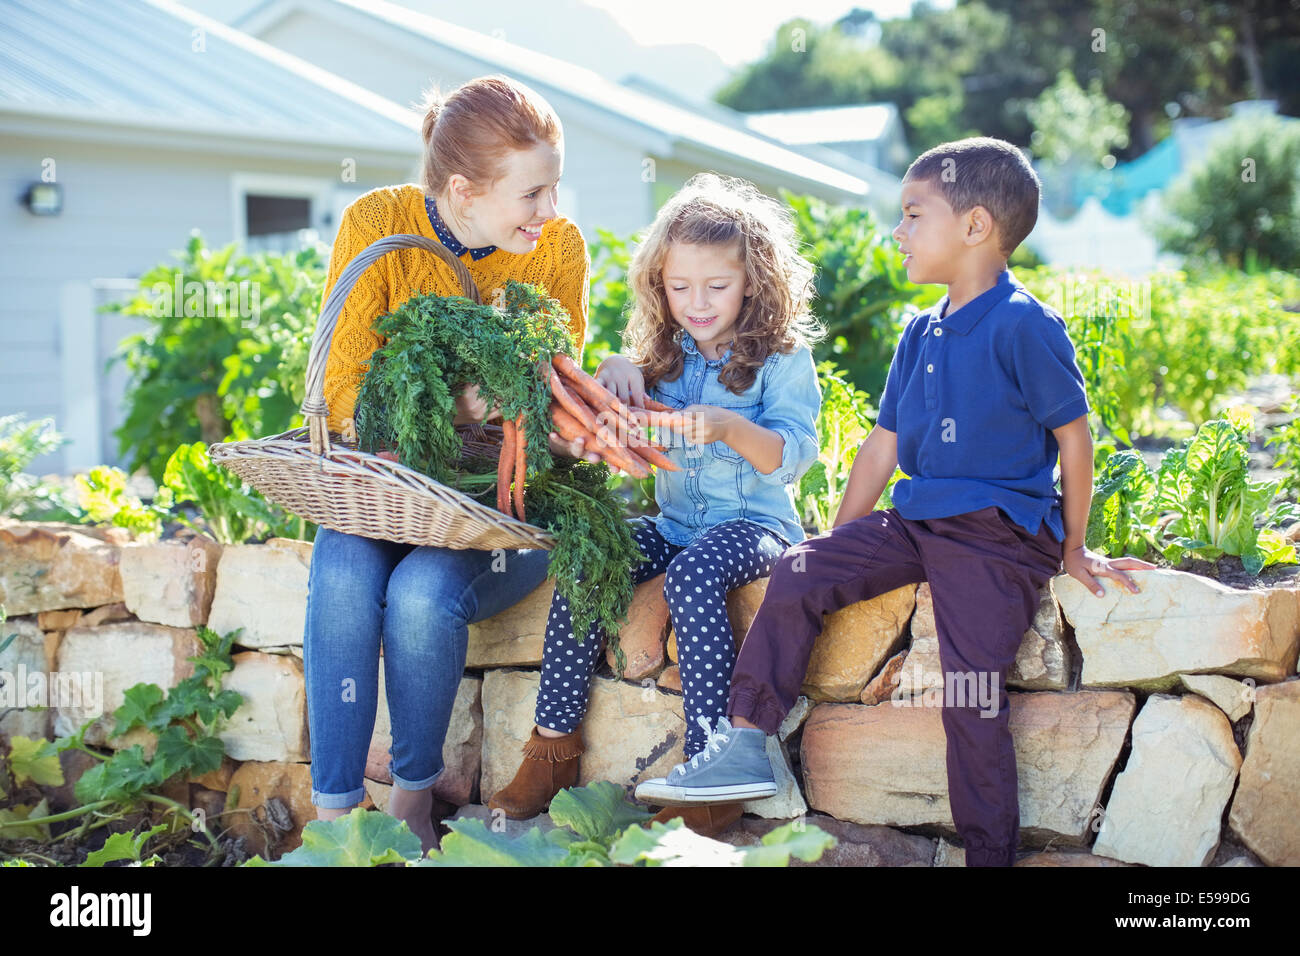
[417, 602]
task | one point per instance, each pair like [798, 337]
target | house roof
[832, 124]
[151, 64]
[678, 130]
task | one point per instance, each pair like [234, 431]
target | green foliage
[1287, 440]
[36, 761]
[842, 425]
[186, 720]
[22, 495]
[1200, 503]
[125, 846]
[1206, 485]
[863, 293]
[672, 844]
[1121, 499]
[105, 500]
[610, 296]
[225, 358]
[232, 512]
[1075, 130]
[1181, 339]
[360, 838]
[1241, 205]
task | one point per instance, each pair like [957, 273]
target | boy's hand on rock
[1086, 567]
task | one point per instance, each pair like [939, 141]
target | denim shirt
[716, 483]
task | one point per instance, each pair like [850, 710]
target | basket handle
[313, 406]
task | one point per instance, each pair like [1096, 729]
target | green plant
[224, 354]
[1118, 519]
[23, 495]
[863, 294]
[1241, 203]
[1206, 485]
[1287, 440]
[595, 826]
[105, 500]
[842, 425]
[610, 296]
[232, 511]
[185, 720]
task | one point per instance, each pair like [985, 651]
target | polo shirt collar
[690, 348]
[966, 318]
[457, 247]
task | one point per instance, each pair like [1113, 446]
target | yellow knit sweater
[559, 262]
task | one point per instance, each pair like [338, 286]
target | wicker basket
[321, 477]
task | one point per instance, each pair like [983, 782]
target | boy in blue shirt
[983, 394]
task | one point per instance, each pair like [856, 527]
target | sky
[737, 30]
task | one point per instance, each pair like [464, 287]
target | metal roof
[680, 126]
[152, 64]
[832, 124]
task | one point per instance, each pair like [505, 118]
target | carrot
[569, 428]
[651, 405]
[595, 394]
[504, 464]
[653, 455]
[521, 465]
[574, 406]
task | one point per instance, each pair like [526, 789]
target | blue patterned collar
[457, 247]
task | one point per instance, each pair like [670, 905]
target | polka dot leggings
[698, 577]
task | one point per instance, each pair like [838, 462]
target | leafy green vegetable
[596, 812]
[105, 499]
[1123, 494]
[34, 760]
[232, 511]
[361, 838]
[124, 846]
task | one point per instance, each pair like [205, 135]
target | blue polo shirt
[973, 397]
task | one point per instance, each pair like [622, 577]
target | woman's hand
[573, 449]
[623, 378]
[471, 408]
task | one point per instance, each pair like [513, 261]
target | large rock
[742, 604]
[1042, 662]
[1180, 622]
[271, 724]
[516, 635]
[45, 567]
[24, 681]
[277, 799]
[854, 642]
[887, 765]
[641, 639]
[110, 659]
[171, 582]
[631, 733]
[1263, 812]
[462, 748]
[1231, 696]
[1166, 807]
[262, 588]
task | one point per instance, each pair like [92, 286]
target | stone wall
[1160, 729]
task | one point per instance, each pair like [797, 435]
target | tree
[1241, 206]
[1074, 130]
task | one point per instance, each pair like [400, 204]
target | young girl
[720, 333]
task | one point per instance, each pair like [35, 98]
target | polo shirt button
[929, 368]
[938, 331]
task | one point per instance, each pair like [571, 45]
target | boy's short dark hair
[982, 171]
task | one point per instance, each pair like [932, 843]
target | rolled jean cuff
[416, 784]
[766, 715]
[337, 801]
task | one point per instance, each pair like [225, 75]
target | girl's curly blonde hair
[718, 210]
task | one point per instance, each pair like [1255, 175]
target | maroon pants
[985, 573]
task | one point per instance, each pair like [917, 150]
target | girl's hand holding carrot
[574, 449]
[697, 424]
[623, 378]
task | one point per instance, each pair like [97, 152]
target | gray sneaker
[732, 766]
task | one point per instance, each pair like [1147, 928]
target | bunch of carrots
[580, 408]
